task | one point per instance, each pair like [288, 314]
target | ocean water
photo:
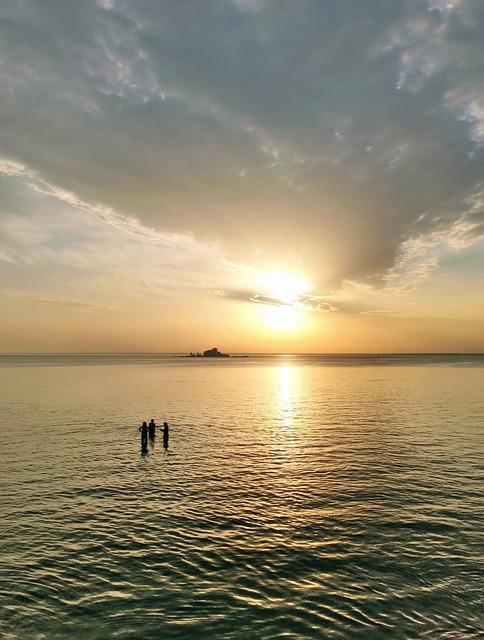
[299, 497]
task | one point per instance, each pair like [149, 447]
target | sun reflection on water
[285, 441]
[286, 406]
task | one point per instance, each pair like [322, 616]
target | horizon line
[247, 353]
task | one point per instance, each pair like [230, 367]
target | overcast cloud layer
[343, 139]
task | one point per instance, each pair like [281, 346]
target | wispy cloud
[11, 168]
[60, 301]
[301, 302]
[114, 253]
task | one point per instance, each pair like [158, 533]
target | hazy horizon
[243, 353]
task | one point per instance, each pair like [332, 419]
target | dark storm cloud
[325, 135]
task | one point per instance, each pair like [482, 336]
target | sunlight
[281, 307]
[284, 287]
[285, 395]
[281, 318]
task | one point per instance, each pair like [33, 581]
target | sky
[256, 175]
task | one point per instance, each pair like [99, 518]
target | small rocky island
[209, 353]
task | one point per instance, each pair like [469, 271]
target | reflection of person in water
[166, 434]
[151, 429]
[144, 435]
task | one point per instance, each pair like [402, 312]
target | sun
[284, 287]
[282, 309]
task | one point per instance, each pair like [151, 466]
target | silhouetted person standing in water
[144, 435]
[151, 429]
[166, 434]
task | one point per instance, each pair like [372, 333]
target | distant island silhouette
[209, 353]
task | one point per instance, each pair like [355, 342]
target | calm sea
[299, 497]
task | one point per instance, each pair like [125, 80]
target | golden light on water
[285, 396]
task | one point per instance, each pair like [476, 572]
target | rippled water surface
[299, 497]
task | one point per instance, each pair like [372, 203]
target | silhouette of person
[151, 429]
[166, 434]
[144, 435]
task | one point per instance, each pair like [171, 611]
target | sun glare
[281, 318]
[284, 287]
[282, 308]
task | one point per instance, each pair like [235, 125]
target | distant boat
[209, 353]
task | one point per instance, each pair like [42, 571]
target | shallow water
[299, 497]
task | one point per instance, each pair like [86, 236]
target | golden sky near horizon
[254, 175]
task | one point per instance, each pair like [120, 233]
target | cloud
[302, 302]
[66, 238]
[10, 168]
[249, 5]
[58, 301]
[341, 139]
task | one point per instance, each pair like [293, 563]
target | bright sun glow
[281, 310]
[281, 318]
[284, 286]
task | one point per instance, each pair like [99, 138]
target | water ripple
[310, 503]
